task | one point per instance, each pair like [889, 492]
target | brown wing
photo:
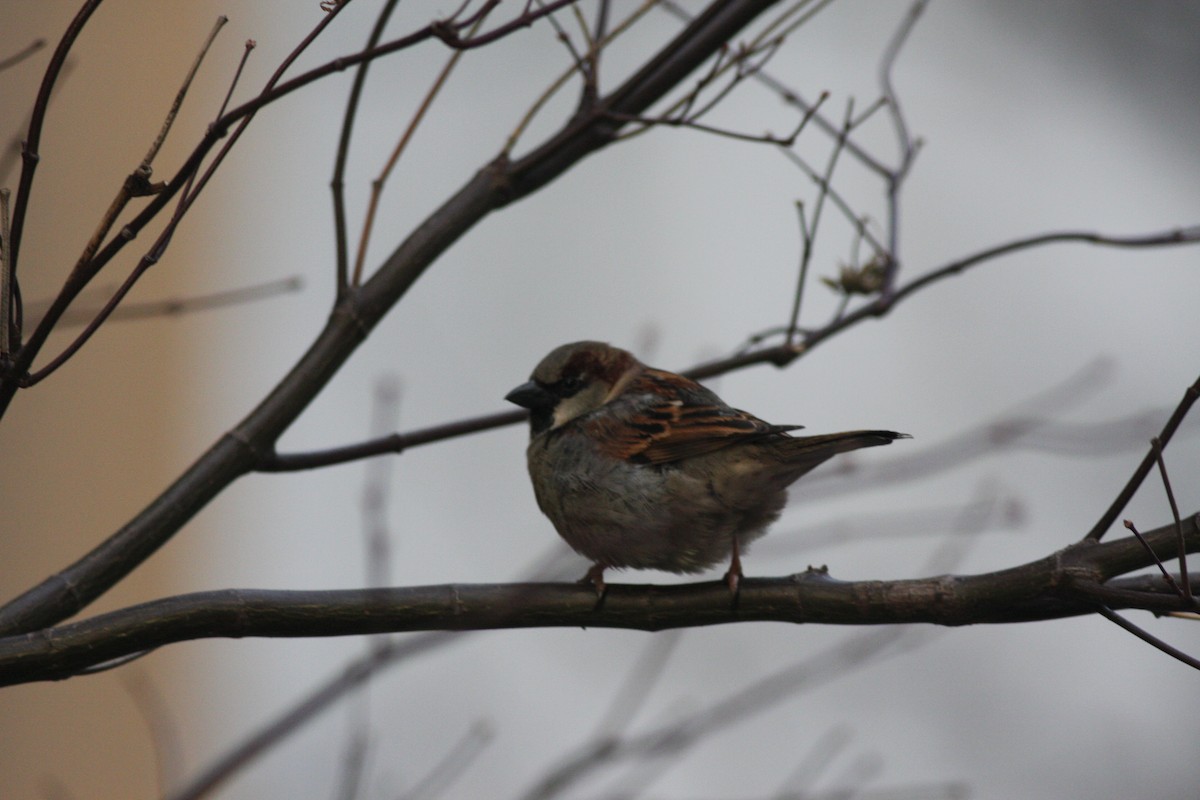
[689, 421]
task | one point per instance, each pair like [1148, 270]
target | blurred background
[679, 245]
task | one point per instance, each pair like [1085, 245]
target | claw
[734, 576]
[595, 576]
[733, 580]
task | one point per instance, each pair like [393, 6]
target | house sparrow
[639, 467]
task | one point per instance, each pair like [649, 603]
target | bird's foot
[595, 576]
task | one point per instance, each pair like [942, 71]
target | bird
[643, 468]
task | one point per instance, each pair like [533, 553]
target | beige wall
[85, 449]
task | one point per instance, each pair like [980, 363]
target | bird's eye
[568, 385]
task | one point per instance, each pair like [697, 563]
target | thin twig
[561, 34]
[591, 86]
[137, 184]
[381, 180]
[641, 679]
[819, 757]
[187, 197]
[394, 443]
[350, 677]
[908, 149]
[29, 146]
[22, 54]
[672, 738]
[6, 281]
[347, 679]
[173, 111]
[794, 98]
[675, 122]
[442, 30]
[186, 305]
[1161, 567]
[565, 76]
[810, 229]
[443, 774]
[188, 190]
[850, 214]
[338, 184]
[1135, 480]
[155, 711]
[764, 44]
[1162, 470]
[376, 493]
[1148, 637]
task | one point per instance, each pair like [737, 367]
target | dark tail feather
[807, 452]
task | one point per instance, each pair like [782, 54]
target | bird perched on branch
[639, 467]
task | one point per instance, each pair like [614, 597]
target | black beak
[540, 403]
[530, 395]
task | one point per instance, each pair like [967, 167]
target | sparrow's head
[573, 380]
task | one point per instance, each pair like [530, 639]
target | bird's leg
[595, 576]
[734, 576]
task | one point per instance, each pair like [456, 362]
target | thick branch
[1068, 583]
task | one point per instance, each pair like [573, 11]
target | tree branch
[1070, 582]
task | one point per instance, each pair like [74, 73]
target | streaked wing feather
[691, 421]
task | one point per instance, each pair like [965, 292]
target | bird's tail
[807, 452]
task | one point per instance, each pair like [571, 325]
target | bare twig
[137, 184]
[162, 725]
[908, 148]
[381, 180]
[377, 489]
[151, 309]
[1135, 480]
[338, 184]
[446, 31]
[565, 76]
[180, 95]
[591, 85]
[994, 513]
[350, 677]
[22, 54]
[794, 98]
[394, 443]
[809, 224]
[1162, 470]
[641, 679]
[819, 757]
[443, 774]
[579, 60]
[885, 303]
[377, 485]
[690, 122]
[29, 147]
[672, 738]
[1161, 567]
[687, 110]
[835, 196]
[1148, 637]
[6, 283]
